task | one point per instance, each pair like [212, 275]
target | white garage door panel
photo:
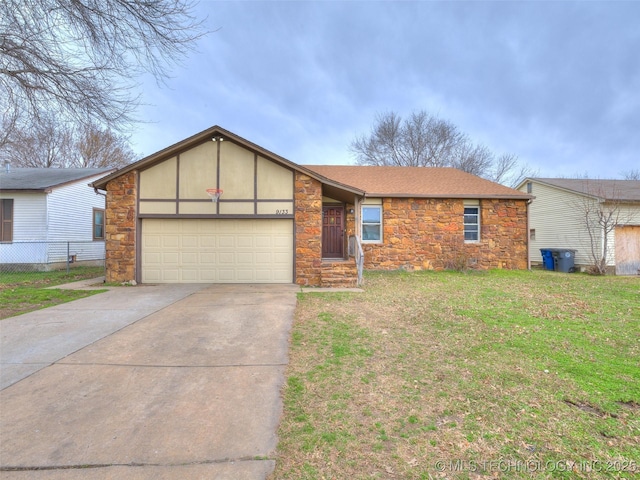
[217, 251]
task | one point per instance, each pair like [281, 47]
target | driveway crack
[135, 464]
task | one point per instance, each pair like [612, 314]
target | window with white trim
[372, 223]
[472, 223]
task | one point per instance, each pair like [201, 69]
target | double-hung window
[372, 223]
[6, 220]
[472, 223]
[98, 224]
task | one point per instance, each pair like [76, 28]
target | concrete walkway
[171, 381]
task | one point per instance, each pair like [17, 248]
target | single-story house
[275, 221]
[48, 215]
[558, 219]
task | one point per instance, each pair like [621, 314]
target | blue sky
[556, 83]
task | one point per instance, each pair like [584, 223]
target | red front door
[333, 232]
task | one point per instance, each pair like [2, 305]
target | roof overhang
[48, 184]
[451, 195]
[25, 190]
[346, 196]
[558, 187]
[330, 188]
[74, 181]
[599, 198]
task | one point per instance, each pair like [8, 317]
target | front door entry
[333, 231]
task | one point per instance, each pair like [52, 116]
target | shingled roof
[434, 182]
[618, 190]
[44, 179]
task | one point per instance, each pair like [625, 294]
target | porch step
[339, 273]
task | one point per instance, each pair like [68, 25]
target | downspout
[604, 240]
[528, 236]
[47, 212]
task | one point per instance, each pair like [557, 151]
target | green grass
[29, 291]
[473, 368]
[48, 279]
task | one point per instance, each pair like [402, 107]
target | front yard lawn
[452, 375]
[27, 291]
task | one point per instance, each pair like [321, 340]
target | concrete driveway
[162, 382]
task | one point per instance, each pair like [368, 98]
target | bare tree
[9, 119]
[78, 60]
[50, 143]
[508, 170]
[423, 140]
[47, 144]
[599, 221]
[474, 159]
[96, 148]
[599, 214]
[631, 174]
[436, 138]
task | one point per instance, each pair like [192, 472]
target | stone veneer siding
[308, 230]
[311, 269]
[428, 234]
[120, 228]
[418, 234]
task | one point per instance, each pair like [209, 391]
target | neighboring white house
[558, 219]
[48, 215]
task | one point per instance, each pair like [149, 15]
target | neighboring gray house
[48, 215]
[557, 219]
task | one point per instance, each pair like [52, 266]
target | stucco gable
[206, 136]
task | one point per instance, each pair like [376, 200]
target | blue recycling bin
[547, 258]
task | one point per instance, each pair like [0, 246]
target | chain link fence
[42, 256]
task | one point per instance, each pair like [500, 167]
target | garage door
[217, 251]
